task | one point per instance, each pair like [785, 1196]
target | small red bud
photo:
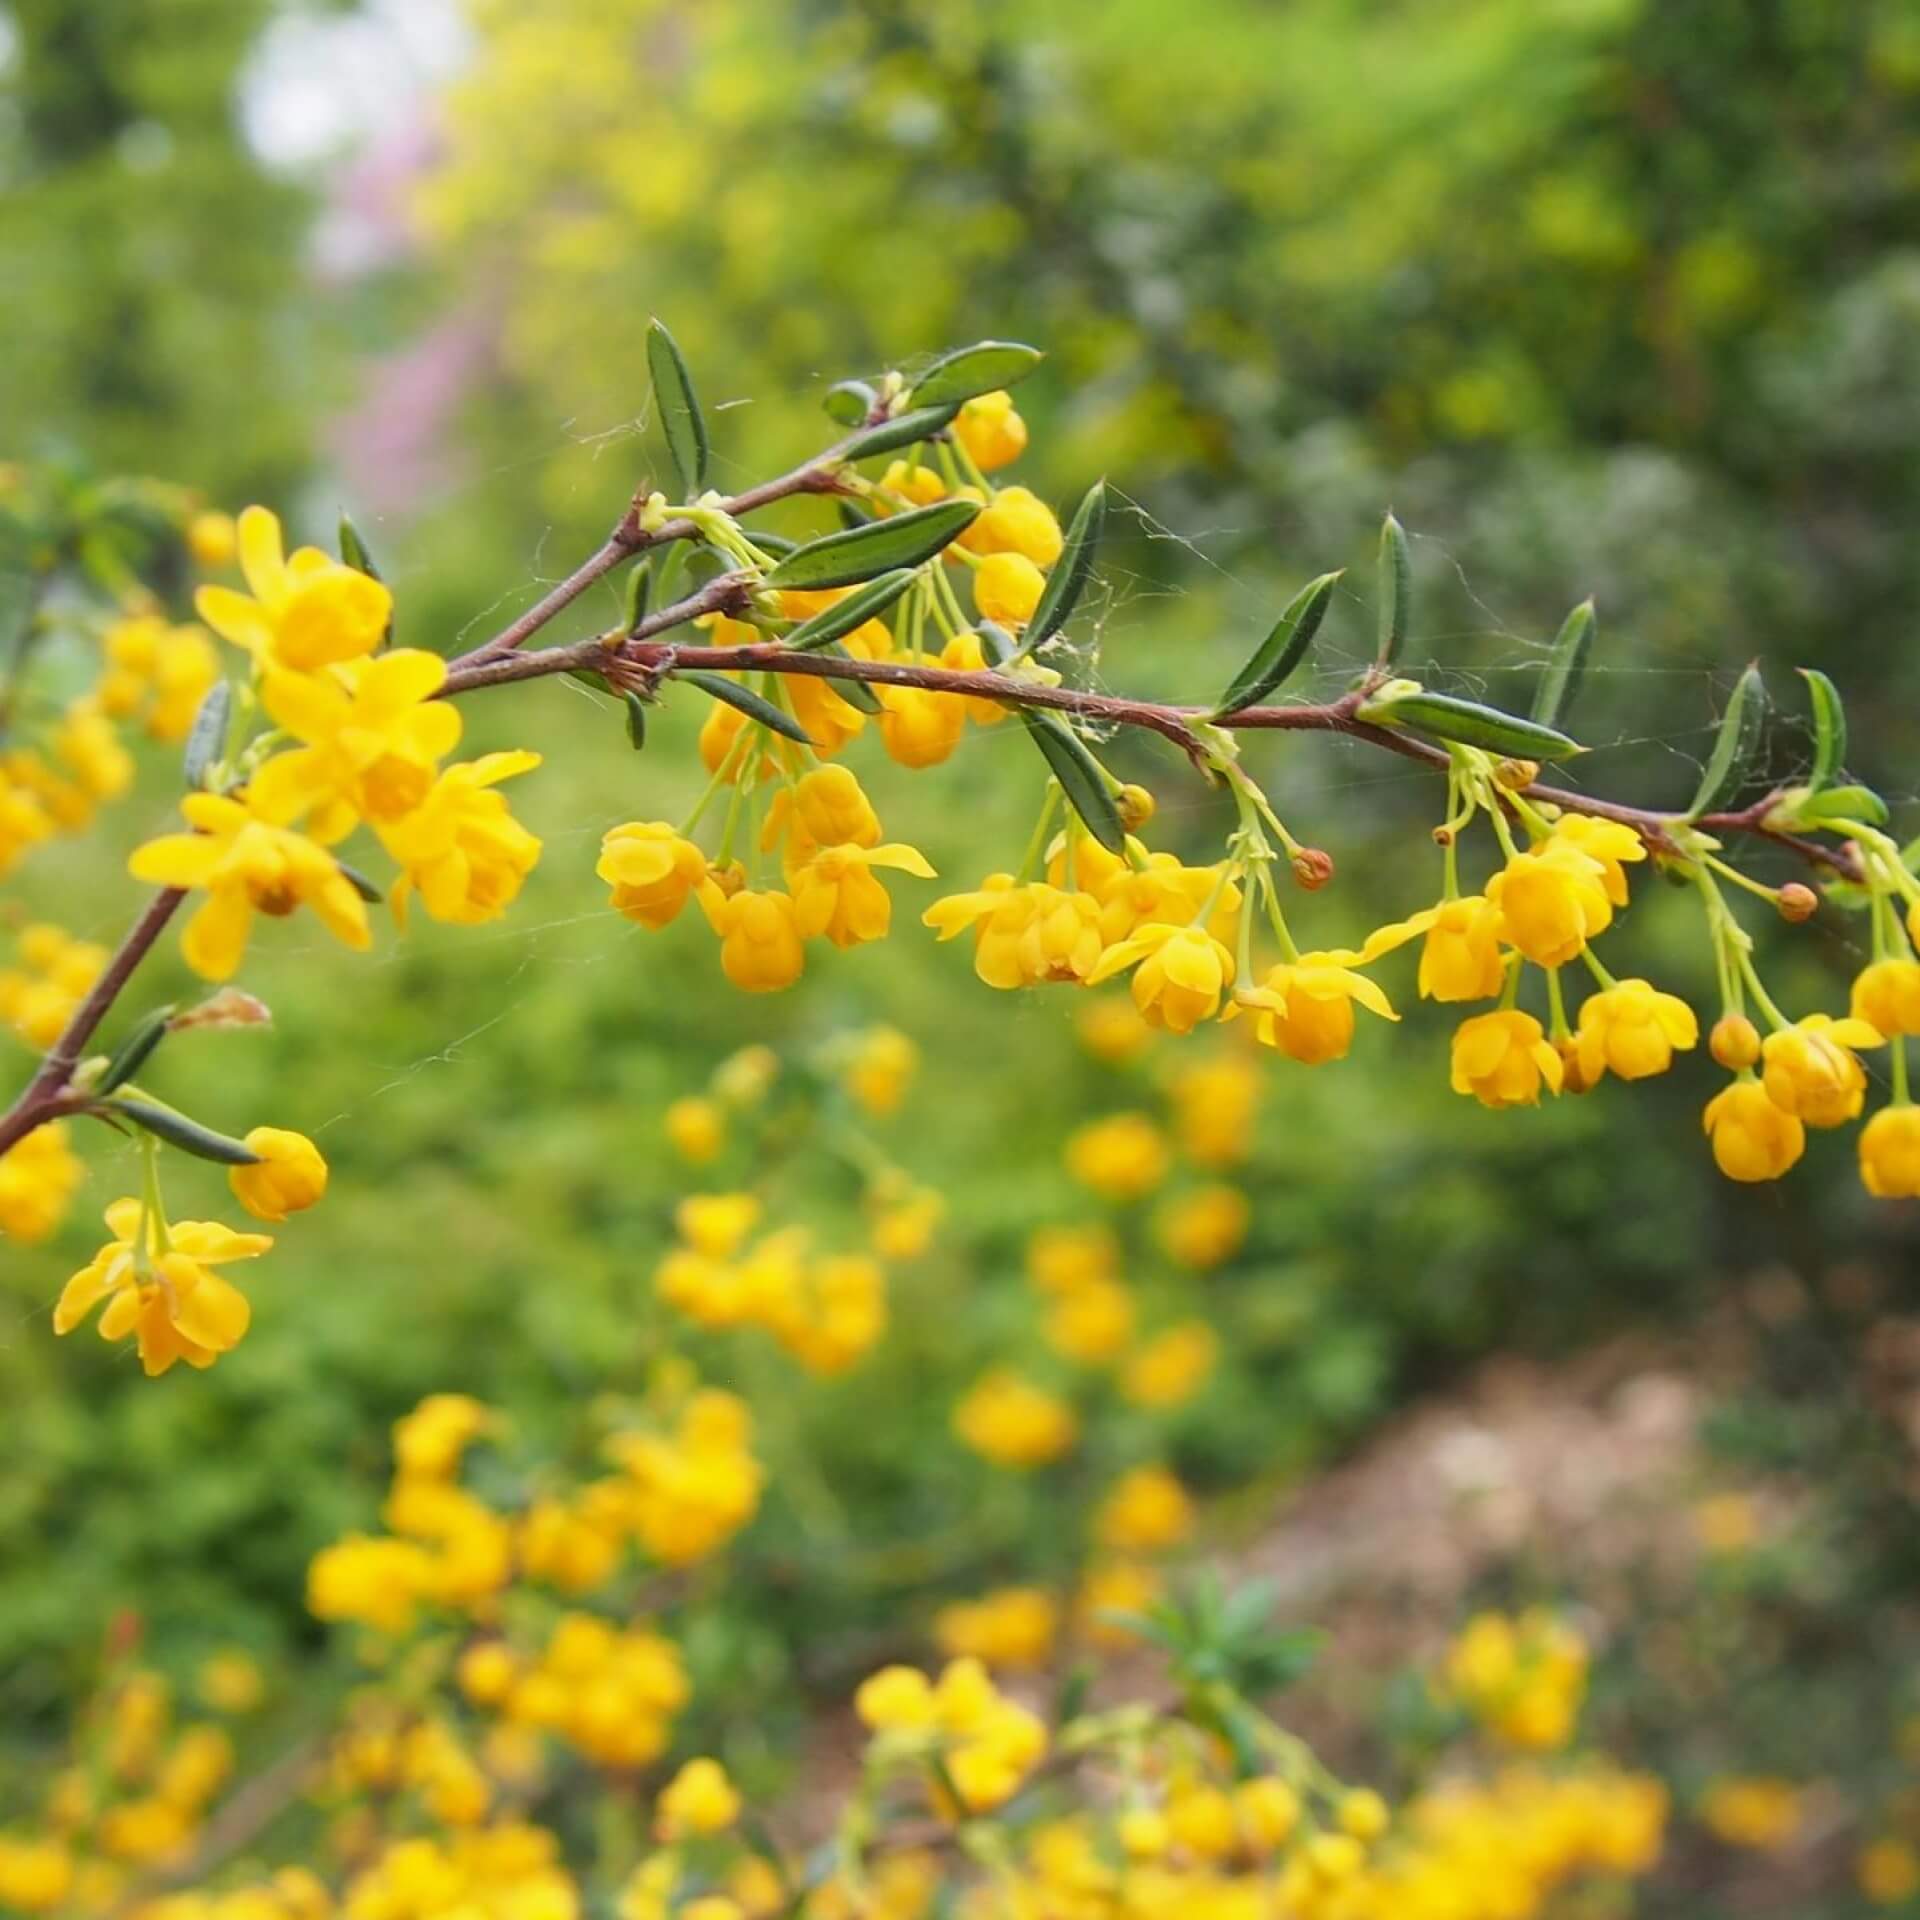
[1796, 902]
[1312, 868]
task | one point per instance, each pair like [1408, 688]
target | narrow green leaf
[853, 514]
[856, 693]
[353, 549]
[1842, 803]
[1080, 776]
[588, 678]
[359, 882]
[680, 417]
[744, 700]
[888, 436]
[1283, 649]
[1734, 747]
[639, 594]
[850, 402]
[1566, 666]
[854, 554]
[209, 733]
[1444, 717]
[1829, 727]
[1071, 572]
[135, 1050]
[777, 544]
[863, 604]
[969, 371]
[636, 721]
[1395, 590]
[188, 1135]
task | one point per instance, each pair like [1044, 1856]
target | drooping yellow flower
[1007, 587]
[1169, 1369]
[1180, 973]
[825, 808]
[1147, 1511]
[1061, 940]
[1092, 1324]
[760, 940]
[1010, 1627]
[1215, 1106]
[307, 610]
[837, 894]
[1461, 957]
[831, 720]
[160, 1286]
[918, 484]
[1753, 1137]
[1610, 842]
[1887, 996]
[990, 429]
[39, 1176]
[1502, 1058]
[1304, 1008]
[1810, 1071]
[653, 871]
[373, 738]
[996, 913]
[698, 1799]
[919, 728]
[1134, 897]
[1552, 902]
[1632, 1030]
[1203, 1228]
[1889, 1153]
[248, 861]
[879, 1067]
[461, 850]
[288, 1177]
[1016, 520]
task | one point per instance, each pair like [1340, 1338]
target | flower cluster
[1524, 1678]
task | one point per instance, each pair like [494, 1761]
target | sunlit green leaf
[968, 371]
[853, 554]
[1283, 649]
[680, 417]
[1566, 666]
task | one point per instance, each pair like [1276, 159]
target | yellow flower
[289, 1177]
[997, 913]
[1502, 1058]
[1460, 959]
[1810, 1071]
[653, 872]
[895, 1700]
[1171, 1367]
[1013, 1423]
[211, 539]
[1112, 1030]
[1304, 1008]
[1203, 1228]
[920, 485]
[1179, 974]
[828, 717]
[1016, 520]
[1147, 1511]
[1887, 996]
[826, 808]
[428, 1443]
[965, 654]
[918, 728]
[1065, 1259]
[39, 1176]
[157, 671]
[1761, 1813]
[230, 1681]
[24, 822]
[993, 434]
[760, 941]
[1215, 1104]
[1010, 1627]
[1131, 897]
[698, 1799]
[87, 747]
[1006, 588]
[716, 1224]
[1888, 1872]
[1091, 1324]
[879, 1068]
[1120, 1157]
[1633, 1030]
[1551, 902]
[249, 862]
[1889, 1153]
[375, 1581]
[696, 1128]
[307, 610]
[1114, 1587]
[162, 1286]
[1753, 1138]
[461, 850]
[1610, 842]
[1061, 940]
[837, 895]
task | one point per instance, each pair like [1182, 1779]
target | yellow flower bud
[1734, 1042]
[289, 1177]
[1007, 588]
[1890, 1153]
[1753, 1139]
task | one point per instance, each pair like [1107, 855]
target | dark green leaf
[353, 550]
[639, 594]
[853, 514]
[1080, 776]
[1734, 747]
[1283, 649]
[854, 554]
[209, 733]
[135, 1050]
[777, 544]
[849, 402]
[636, 721]
[743, 700]
[1395, 590]
[188, 1135]
[1071, 572]
[1444, 717]
[1566, 666]
[888, 436]
[863, 604]
[359, 882]
[1829, 728]
[969, 371]
[680, 417]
